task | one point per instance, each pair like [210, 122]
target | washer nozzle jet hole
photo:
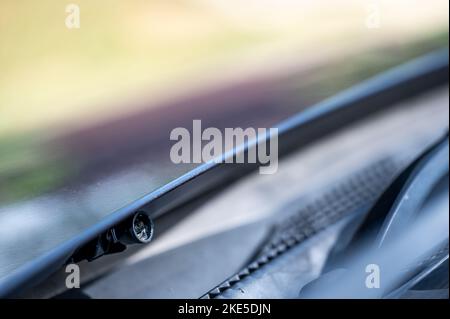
[137, 229]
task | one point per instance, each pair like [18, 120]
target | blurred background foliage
[54, 80]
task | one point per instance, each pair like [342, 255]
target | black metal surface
[385, 225]
[325, 118]
[349, 198]
[393, 198]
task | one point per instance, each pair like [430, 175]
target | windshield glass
[87, 105]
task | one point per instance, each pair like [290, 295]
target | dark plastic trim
[374, 95]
